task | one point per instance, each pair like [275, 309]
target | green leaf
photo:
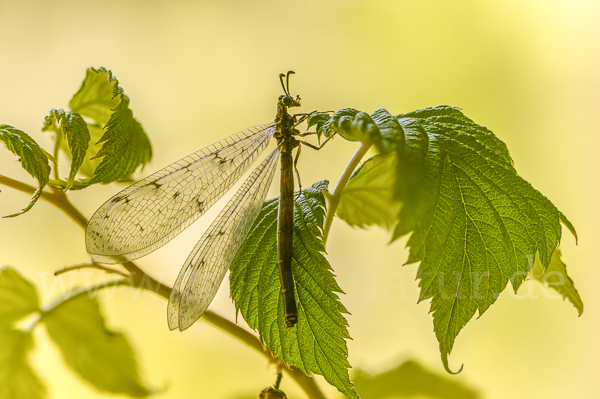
[368, 199]
[98, 95]
[568, 225]
[90, 163]
[476, 223]
[353, 125]
[77, 134]
[410, 380]
[380, 128]
[317, 343]
[100, 356]
[340, 122]
[390, 135]
[318, 120]
[555, 276]
[17, 378]
[18, 297]
[32, 157]
[125, 147]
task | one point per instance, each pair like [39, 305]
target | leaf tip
[12, 215]
[447, 367]
[569, 226]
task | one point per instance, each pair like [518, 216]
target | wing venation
[205, 268]
[148, 214]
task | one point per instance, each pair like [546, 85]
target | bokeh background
[198, 71]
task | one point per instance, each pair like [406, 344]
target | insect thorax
[284, 126]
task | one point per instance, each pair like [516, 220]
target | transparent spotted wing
[205, 268]
[148, 214]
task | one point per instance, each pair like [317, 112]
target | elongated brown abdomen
[285, 234]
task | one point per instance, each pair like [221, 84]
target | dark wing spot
[156, 185]
[200, 205]
[176, 194]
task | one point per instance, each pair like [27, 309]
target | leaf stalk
[57, 143]
[333, 198]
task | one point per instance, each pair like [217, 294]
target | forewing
[205, 268]
[148, 214]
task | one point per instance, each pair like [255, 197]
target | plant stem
[81, 291]
[140, 279]
[279, 375]
[334, 198]
[55, 197]
[57, 143]
[92, 265]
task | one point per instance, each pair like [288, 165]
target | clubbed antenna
[287, 81]
[281, 75]
[286, 87]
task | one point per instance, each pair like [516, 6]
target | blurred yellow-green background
[198, 71]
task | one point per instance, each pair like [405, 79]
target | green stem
[81, 291]
[333, 199]
[57, 143]
[140, 279]
[92, 265]
[55, 197]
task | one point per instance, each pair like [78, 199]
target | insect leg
[299, 118]
[304, 134]
[296, 167]
[314, 147]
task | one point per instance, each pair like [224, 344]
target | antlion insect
[148, 214]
